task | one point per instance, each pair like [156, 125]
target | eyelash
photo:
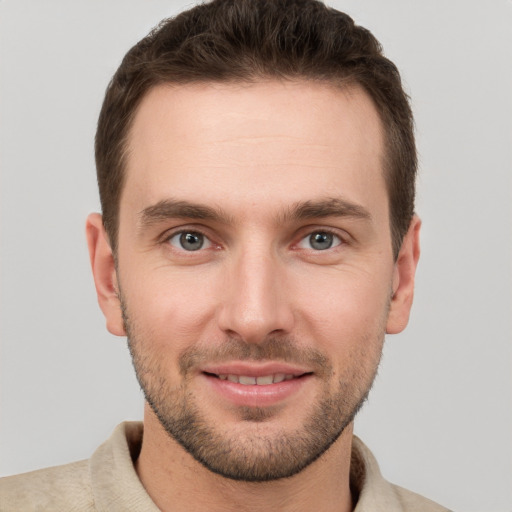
[337, 240]
[334, 235]
[194, 231]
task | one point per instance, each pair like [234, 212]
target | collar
[117, 488]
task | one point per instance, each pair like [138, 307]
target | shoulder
[107, 481]
[66, 487]
[413, 502]
[374, 492]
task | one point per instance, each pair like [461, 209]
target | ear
[104, 272]
[403, 279]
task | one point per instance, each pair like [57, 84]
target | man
[256, 166]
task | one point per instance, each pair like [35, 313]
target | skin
[252, 154]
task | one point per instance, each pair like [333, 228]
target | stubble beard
[250, 455]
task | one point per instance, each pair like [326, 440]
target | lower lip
[254, 395]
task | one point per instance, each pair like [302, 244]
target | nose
[256, 298]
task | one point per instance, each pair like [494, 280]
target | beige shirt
[107, 482]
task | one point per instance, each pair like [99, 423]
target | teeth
[264, 380]
[247, 380]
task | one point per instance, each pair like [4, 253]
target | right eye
[320, 241]
[189, 241]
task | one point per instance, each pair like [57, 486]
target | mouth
[254, 385]
[260, 380]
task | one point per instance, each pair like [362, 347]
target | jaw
[169, 474]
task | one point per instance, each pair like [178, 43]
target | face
[255, 268]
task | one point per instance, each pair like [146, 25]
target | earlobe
[403, 279]
[104, 272]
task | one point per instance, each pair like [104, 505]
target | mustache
[275, 348]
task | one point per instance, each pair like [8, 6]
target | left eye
[190, 241]
[320, 241]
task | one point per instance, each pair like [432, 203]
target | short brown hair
[250, 40]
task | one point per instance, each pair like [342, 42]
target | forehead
[212, 140]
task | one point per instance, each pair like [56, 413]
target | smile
[263, 380]
[256, 387]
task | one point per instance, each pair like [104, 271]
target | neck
[176, 481]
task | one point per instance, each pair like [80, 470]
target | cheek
[347, 322]
[170, 307]
[343, 307]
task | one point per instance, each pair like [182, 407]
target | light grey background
[439, 418]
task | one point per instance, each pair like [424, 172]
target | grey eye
[189, 241]
[320, 241]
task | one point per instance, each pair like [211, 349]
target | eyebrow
[305, 210]
[329, 207]
[173, 209]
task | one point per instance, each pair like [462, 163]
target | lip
[255, 395]
[254, 369]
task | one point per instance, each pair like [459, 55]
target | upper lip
[254, 369]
